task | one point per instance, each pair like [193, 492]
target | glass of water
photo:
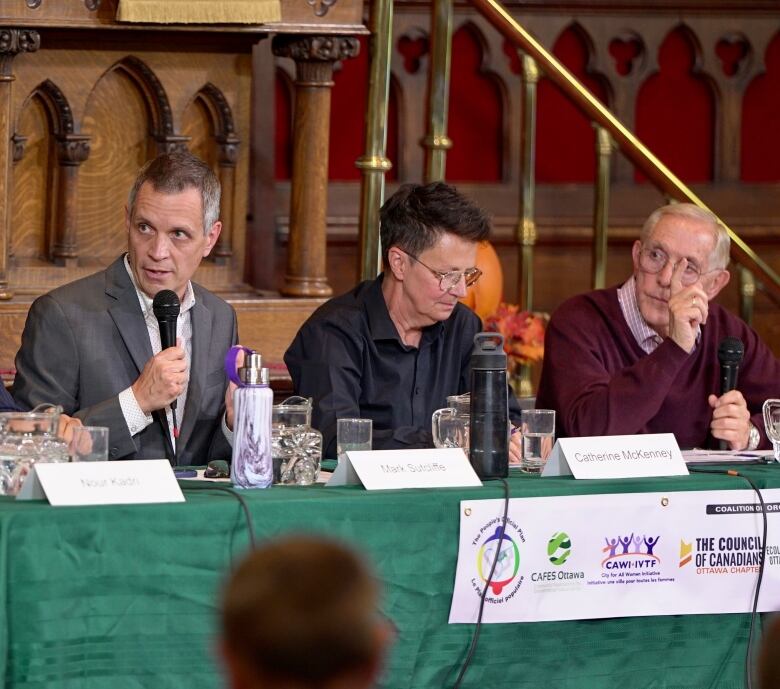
[352, 434]
[538, 429]
[772, 425]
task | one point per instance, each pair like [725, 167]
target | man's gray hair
[719, 258]
[173, 173]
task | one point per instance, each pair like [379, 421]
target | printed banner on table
[592, 556]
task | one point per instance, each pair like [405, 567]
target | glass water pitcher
[296, 446]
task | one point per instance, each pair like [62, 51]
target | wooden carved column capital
[72, 149]
[171, 143]
[227, 150]
[306, 253]
[14, 41]
[315, 48]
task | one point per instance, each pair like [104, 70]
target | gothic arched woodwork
[565, 140]
[161, 125]
[476, 125]
[33, 187]
[676, 113]
[760, 133]
[408, 83]
[224, 151]
[72, 149]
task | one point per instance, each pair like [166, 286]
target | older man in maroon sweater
[642, 358]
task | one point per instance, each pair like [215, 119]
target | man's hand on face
[163, 379]
[688, 308]
[730, 419]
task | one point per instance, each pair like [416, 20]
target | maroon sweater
[600, 382]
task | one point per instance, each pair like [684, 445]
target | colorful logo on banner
[559, 548]
[686, 550]
[501, 549]
[630, 552]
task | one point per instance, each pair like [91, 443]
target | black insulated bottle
[489, 415]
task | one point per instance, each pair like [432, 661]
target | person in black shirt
[6, 401]
[392, 349]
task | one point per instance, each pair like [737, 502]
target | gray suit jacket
[85, 342]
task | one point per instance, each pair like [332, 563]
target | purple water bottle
[252, 465]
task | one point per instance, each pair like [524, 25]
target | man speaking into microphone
[94, 346]
[644, 357]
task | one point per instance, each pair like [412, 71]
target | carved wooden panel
[95, 116]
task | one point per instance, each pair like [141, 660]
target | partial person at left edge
[6, 401]
[67, 423]
[93, 346]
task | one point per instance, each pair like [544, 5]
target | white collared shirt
[647, 338]
[135, 418]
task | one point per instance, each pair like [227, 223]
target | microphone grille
[166, 304]
[730, 351]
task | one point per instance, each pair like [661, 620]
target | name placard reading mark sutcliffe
[432, 468]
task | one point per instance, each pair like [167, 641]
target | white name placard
[387, 469]
[103, 483]
[616, 456]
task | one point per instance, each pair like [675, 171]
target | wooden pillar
[72, 150]
[12, 42]
[227, 158]
[306, 256]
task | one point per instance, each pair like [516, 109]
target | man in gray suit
[93, 346]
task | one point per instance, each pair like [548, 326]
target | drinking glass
[772, 425]
[352, 434]
[89, 444]
[538, 429]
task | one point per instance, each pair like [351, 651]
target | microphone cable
[478, 627]
[196, 486]
[749, 651]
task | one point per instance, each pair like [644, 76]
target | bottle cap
[251, 372]
[488, 352]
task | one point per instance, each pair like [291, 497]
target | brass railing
[609, 133]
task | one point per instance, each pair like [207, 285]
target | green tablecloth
[99, 597]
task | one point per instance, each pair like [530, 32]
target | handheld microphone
[730, 354]
[166, 309]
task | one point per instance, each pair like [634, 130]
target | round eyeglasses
[654, 260]
[450, 280]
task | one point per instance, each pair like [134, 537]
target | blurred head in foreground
[301, 613]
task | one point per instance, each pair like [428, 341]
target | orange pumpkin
[484, 297]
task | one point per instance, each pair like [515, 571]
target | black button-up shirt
[350, 358]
